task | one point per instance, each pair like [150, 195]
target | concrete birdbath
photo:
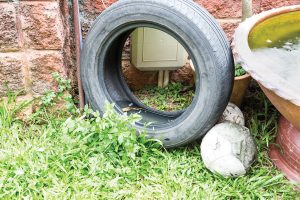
[268, 47]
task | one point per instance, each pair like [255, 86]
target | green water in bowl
[276, 41]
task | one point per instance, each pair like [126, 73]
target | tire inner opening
[131, 76]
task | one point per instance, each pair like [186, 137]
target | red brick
[42, 25]
[223, 8]
[90, 9]
[42, 65]
[95, 7]
[11, 73]
[137, 79]
[269, 4]
[256, 6]
[9, 39]
[229, 27]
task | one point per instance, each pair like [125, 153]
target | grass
[173, 97]
[71, 156]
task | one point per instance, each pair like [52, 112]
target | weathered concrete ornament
[228, 149]
[233, 114]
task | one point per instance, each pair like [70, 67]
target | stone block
[42, 65]
[11, 73]
[228, 149]
[42, 25]
[9, 38]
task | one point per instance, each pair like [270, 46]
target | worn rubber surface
[201, 36]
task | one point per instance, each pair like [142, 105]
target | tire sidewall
[206, 106]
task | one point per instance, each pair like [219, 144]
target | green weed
[10, 108]
[101, 157]
[239, 71]
[54, 105]
[175, 96]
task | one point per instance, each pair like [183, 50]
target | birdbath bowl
[268, 47]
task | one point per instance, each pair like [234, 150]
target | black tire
[201, 36]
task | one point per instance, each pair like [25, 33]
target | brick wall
[227, 12]
[36, 39]
[34, 42]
